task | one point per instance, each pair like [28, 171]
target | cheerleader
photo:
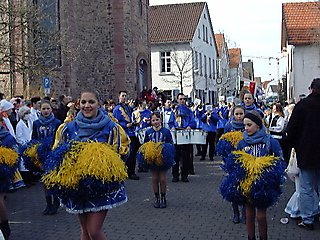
[44, 129]
[256, 172]
[9, 159]
[158, 142]
[85, 169]
[235, 124]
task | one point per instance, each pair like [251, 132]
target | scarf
[260, 136]
[89, 127]
[238, 126]
[3, 132]
[45, 121]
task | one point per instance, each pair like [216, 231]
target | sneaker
[202, 158]
[175, 179]
[306, 226]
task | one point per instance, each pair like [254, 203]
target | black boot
[243, 215]
[55, 206]
[48, 208]
[251, 238]
[163, 201]
[236, 214]
[156, 203]
[5, 229]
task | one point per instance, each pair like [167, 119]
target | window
[210, 41]
[200, 62]
[196, 63]
[204, 15]
[213, 69]
[210, 75]
[205, 65]
[165, 62]
[204, 32]
[140, 5]
[199, 33]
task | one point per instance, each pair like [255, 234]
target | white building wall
[305, 67]
[202, 43]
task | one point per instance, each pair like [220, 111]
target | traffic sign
[46, 83]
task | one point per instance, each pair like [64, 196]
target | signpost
[46, 85]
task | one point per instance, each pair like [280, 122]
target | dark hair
[61, 97]
[236, 107]
[180, 94]
[279, 109]
[45, 101]
[315, 85]
[47, 98]
[122, 91]
[1, 96]
[35, 100]
[157, 114]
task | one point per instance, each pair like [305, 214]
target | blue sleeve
[168, 138]
[121, 120]
[214, 117]
[192, 123]
[171, 120]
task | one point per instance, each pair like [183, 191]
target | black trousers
[210, 140]
[183, 160]
[131, 160]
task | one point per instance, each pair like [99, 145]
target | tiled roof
[220, 43]
[174, 22]
[301, 23]
[234, 56]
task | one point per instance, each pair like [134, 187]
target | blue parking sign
[46, 83]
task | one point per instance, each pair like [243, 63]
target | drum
[183, 137]
[174, 138]
[198, 136]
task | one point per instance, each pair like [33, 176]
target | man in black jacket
[303, 134]
[63, 109]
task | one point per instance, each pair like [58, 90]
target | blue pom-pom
[44, 149]
[55, 157]
[224, 148]
[168, 155]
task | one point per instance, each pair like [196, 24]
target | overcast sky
[252, 25]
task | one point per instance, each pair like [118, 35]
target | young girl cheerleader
[8, 164]
[255, 173]
[157, 153]
[44, 130]
[85, 169]
[233, 127]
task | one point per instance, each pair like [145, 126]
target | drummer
[182, 119]
[141, 118]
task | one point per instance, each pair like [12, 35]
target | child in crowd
[235, 124]
[161, 146]
[255, 174]
[44, 129]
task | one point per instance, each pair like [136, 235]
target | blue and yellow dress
[85, 168]
[158, 152]
[8, 159]
[255, 171]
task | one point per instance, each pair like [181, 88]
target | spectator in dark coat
[63, 109]
[303, 134]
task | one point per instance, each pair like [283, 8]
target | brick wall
[103, 42]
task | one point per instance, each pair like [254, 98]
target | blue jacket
[198, 115]
[211, 125]
[145, 118]
[183, 114]
[123, 113]
[162, 135]
[223, 119]
[41, 132]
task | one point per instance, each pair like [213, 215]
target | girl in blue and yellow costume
[157, 153]
[255, 174]
[85, 168]
[43, 132]
[8, 165]
[228, 143]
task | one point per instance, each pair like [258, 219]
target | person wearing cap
[255, 174]
[303, 133]
[6, 109]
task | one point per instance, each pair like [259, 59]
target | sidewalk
[195, 210]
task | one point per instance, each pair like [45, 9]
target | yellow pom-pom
[254, 167]
[8, 156]
[233, 137]
[88, 159]
[32, 153]
[152, 152]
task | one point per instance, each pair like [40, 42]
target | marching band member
[182, 119]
